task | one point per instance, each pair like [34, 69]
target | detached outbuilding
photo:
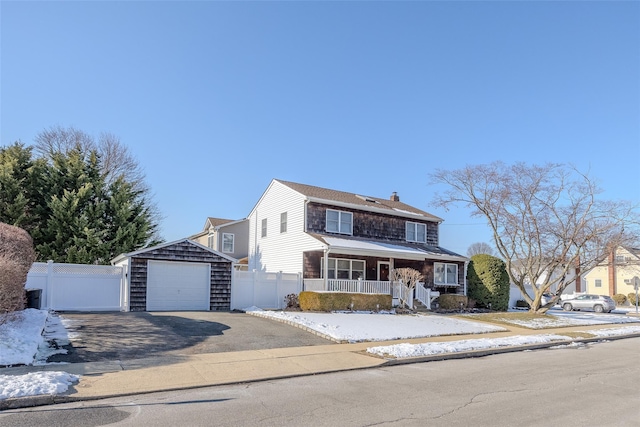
[176, 276]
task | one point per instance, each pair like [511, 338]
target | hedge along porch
[181, 275]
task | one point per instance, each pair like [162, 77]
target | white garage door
[177, 286]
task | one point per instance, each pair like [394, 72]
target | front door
[383, 271]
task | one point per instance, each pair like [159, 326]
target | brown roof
[394, 207]
[214, 222]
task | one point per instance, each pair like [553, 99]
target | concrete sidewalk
[128, 377]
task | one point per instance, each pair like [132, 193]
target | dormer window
[339, 222]
[416, 232]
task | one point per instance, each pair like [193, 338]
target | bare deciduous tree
[409, 277]
[116, 158]
[480, 248]
[546, 220]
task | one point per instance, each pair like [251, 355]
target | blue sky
[217, 98]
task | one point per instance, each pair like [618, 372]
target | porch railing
[425, 295]
[422, 293]
[343, 285]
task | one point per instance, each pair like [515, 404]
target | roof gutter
[404, 214]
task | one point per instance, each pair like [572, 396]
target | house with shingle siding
[335, 235]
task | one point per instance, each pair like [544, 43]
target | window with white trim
[283, 222]
[339, 222]
[263, 233]
[349, 269]
[445, 274]
[210, 240]
[416, 232]
[227, 242]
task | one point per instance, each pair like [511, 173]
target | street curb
[299, 326]
[43, 400]
[503, 350]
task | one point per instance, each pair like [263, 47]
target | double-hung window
[227, 242]
[339, 222]
[598, 283]
[445, 274]
[350, 269]
[263, 232]
[283, 222]
[416, 232]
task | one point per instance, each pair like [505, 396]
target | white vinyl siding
[228, 240]
[280, 251]
[263, 228]
[445, 274]
[339, 222]
[416, 232]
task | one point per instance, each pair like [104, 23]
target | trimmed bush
[632, 298]
[488, 282]
[452, 301]
[16, 257]
[620, 299]
[332, 301]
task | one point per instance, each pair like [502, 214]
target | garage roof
[164, 245]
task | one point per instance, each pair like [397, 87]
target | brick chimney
[394, 197]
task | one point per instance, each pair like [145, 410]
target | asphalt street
[594, 384]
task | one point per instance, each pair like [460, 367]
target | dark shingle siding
[221, 272]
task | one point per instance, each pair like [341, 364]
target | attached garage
[177, 276]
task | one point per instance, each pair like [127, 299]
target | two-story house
[330, 235]
[615, 273]
[227, 236]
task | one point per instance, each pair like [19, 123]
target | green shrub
[488, 282]
[331, 301]
[620, 299]
[453, 301]
[632, 298]
[16, 257]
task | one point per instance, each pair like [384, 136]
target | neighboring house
[336, 236]
[228, 236]
[614, 274]
[572, 287]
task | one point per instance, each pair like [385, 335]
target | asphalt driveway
[123, 336]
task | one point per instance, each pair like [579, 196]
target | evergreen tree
[73, 210]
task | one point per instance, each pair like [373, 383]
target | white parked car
[597, 303]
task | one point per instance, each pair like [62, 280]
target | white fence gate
[77, 287]
[264, 290]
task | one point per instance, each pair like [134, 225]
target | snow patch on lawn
[25, 338]
[427, 349]
[367, 326]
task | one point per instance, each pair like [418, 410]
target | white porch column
[325, 268]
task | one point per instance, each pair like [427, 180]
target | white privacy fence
[77, 287]
[264, 290]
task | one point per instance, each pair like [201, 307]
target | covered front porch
[365, 266]
[398, 291]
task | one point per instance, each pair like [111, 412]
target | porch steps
[420, 307]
